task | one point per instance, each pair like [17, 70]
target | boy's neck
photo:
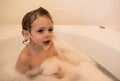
[39, 50]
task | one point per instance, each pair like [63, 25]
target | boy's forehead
[42, 21]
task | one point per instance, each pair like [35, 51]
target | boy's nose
[47, 34]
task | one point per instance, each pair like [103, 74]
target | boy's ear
[26, 34]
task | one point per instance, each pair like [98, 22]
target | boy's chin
[45, 47]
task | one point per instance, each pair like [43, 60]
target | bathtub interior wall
[102, 53]
[106, 56]
[100, 48]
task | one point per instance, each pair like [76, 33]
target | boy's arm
[70, 58]
[22, 64]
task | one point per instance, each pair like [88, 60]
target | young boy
[37, 28]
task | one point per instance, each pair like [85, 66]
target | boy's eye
[41, 31]
[51, 29]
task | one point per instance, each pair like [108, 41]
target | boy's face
[42, 32]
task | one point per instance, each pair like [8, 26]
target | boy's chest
[38, 60]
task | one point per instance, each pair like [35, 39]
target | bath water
[86, 69]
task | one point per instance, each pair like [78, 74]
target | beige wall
[82, 12]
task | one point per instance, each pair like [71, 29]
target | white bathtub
[100, 44]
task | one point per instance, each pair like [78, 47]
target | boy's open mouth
[47, 42]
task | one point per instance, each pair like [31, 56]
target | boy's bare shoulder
[24, 56]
